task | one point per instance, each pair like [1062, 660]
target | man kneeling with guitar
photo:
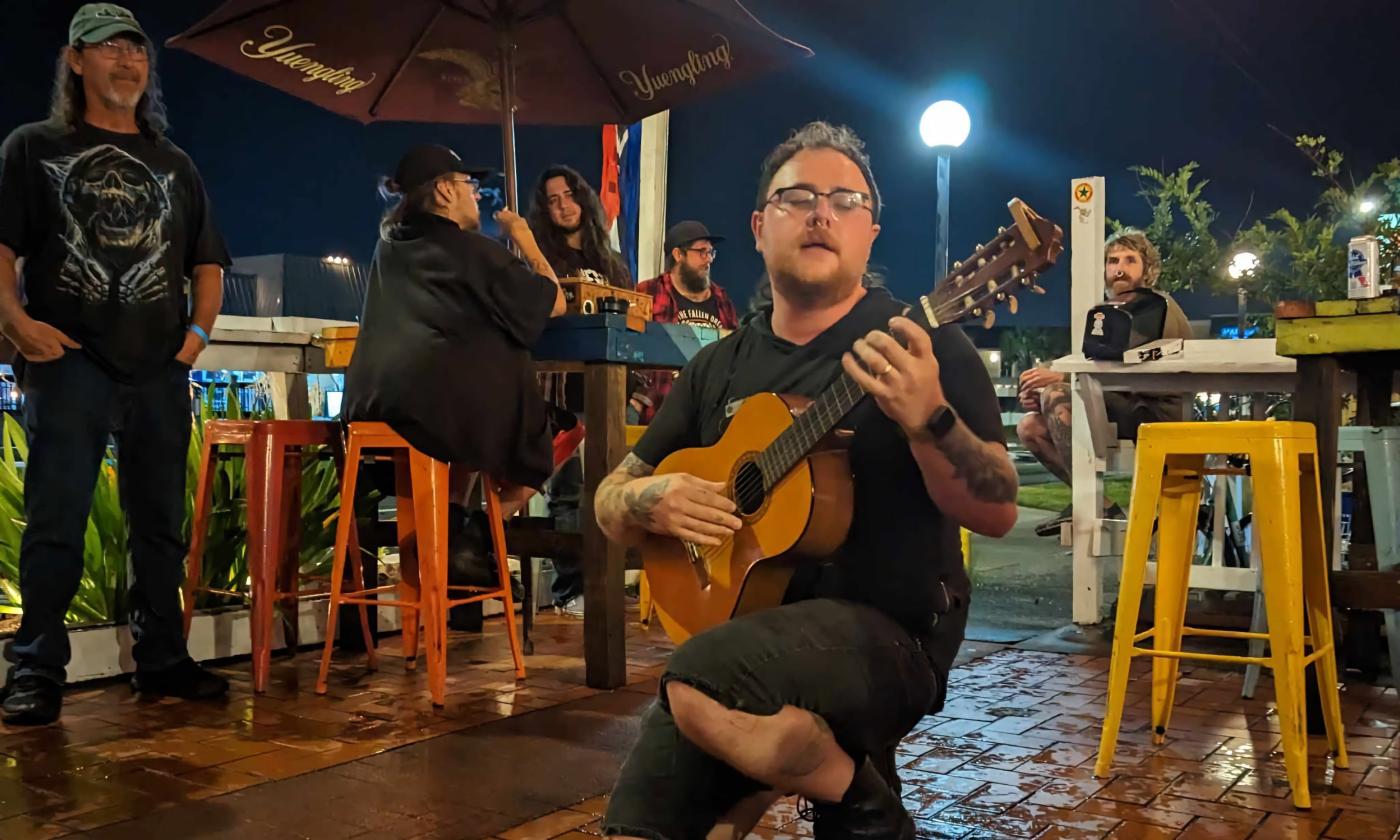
[812, 697]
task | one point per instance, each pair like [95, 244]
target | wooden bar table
[1329, 338]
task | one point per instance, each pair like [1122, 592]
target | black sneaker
[870, 809]
[31, 700]
[186, 680]
[470, 558]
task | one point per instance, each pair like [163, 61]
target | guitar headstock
[996, 272]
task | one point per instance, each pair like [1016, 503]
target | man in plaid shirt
[684, 294]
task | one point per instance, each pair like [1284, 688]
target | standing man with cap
[112, 222]
[443, 354]
[684, 294]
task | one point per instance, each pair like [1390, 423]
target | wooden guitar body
[805, 515]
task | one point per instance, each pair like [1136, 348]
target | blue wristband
[199, 331]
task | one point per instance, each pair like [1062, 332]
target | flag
[620, 189]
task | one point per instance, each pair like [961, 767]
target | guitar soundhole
[748, 489]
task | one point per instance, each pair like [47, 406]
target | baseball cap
[683, 233]
[97, 22]
[426, 163]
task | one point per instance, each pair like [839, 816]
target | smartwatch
[942, 421]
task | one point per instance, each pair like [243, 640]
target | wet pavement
[1010, 756]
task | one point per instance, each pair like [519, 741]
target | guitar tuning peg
[1037, 289]
[1011, 303]
[957, 265]
[980, 246]
[1001, 231]
[991, 319]
[981, 261]
[1015, 271]
[991, 285]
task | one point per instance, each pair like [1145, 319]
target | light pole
[1242, 266]
[944, 126]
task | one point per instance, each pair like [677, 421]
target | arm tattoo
[640, 504]
[614, 503]
[1055, 406]
[984, 466]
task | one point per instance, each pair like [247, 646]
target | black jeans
[564, 489]
[71, 408]
[864, 674]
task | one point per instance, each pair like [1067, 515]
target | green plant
[102, 590]
[1298, 258]
[101, 596]
[1023, 347]
[1180, 227]
[225, 562]
[1306, 257]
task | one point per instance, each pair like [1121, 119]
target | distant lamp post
[1242, 266]
[1368, 206]
[944, 126]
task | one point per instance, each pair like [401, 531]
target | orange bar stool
[273, 451]
[422, 593]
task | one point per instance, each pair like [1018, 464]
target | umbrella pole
[507, 74]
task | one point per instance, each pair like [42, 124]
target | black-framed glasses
[472, 183]
[705, 253]
[120, 48]
[804, 200]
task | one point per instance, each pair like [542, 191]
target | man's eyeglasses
[705, 253]
[120, 48]
[803, 200]
[473, 184]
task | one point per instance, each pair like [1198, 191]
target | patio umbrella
[562, 62]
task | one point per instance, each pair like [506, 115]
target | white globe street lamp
[944, 126]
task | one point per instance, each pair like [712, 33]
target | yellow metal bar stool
[1171, 463]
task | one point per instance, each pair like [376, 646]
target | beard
[811, 292]
[123, 98]
[693, 280]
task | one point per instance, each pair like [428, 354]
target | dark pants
[71, 407]
[864, 674]
[564, 489]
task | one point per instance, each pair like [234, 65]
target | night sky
[1057, 90]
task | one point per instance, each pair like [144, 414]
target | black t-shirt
[443, 351]
[571, 263]
[901, 553]
[110, 226]
[702, 314]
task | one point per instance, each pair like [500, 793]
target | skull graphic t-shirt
[110, 227]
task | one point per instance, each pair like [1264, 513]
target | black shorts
[1128, 412]
[868, 678]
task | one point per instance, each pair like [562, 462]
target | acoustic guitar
[786, 466]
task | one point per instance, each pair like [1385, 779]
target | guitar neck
[809, 427]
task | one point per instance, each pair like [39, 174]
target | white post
[1086, 290]
[651, 222]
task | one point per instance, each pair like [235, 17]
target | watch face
[942, 420]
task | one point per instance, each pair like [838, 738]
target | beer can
[1363, 267]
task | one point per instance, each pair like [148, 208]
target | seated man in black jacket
[443, 352]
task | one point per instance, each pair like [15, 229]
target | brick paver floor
[1010, 756]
